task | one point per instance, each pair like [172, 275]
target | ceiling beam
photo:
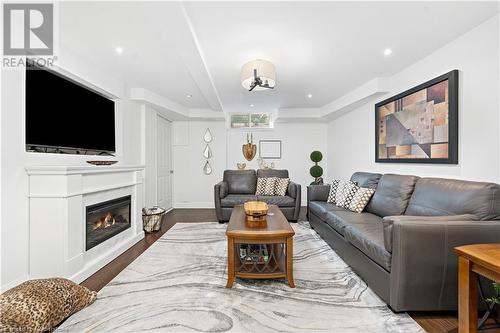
[356, 97]
[197, 65]
[169, 109]
[206, 114]
[365, 93]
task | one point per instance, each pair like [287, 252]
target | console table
[474, 260]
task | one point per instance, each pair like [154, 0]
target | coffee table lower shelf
[260, 275]
[277, 265]
[260, 261]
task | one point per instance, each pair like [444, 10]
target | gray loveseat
[402, 244]
[239, 186]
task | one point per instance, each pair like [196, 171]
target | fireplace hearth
[106, 219]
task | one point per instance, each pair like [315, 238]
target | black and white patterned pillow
[333, 191]
[281, 186]
[265, 186]
[360, 199]
[345, 193]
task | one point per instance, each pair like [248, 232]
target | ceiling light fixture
[258, 75]
[189, 95]
[309, 95]
[251, 105]
[119, 50]
[387, 52]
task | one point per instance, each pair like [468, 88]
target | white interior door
[164, 163]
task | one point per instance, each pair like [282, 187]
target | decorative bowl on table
[256, 212]
[101, 162]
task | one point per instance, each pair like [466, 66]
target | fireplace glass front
[106, 219]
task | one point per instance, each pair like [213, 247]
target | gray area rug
[178, 285]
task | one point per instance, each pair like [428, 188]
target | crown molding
[365, 93]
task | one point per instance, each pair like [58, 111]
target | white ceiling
[159, 53]
[323, 48]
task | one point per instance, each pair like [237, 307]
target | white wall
[192, 188]
[298, 140]
[149, 121]
[14, 180]
[476, 55]
[131, 127]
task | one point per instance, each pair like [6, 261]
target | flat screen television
[63, 116]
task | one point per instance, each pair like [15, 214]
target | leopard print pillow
[39, 305]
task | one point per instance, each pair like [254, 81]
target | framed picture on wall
[419, 125]
[270, 149]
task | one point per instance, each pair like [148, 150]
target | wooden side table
[474, 260]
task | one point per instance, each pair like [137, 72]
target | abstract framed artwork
[419, 125]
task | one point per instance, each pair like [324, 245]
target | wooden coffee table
[259, 253]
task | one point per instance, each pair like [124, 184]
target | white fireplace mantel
[80, 169]
[58, 196]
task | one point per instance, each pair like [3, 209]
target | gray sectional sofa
[239, 186]
[402, 244]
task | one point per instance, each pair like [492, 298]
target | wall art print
[419, 125]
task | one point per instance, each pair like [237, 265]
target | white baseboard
[91, 268]
[96, 265]
[13, 283]
[194, 205]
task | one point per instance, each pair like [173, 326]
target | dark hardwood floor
[431, 322]
[102, 277]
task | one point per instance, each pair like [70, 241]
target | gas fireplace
[106, 219]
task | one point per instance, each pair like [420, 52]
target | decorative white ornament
[208, 136]
[207, 153]
[207, 169]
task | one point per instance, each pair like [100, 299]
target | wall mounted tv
[63, 116]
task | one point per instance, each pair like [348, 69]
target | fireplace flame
[104, 222]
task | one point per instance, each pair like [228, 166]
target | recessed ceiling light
[309, 95]
[387, 52]
[119, 50]
[251, 105]
[189, 95]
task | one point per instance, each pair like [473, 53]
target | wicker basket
[151, 218]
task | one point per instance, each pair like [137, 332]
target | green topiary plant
[316, 156]
[316, 171]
